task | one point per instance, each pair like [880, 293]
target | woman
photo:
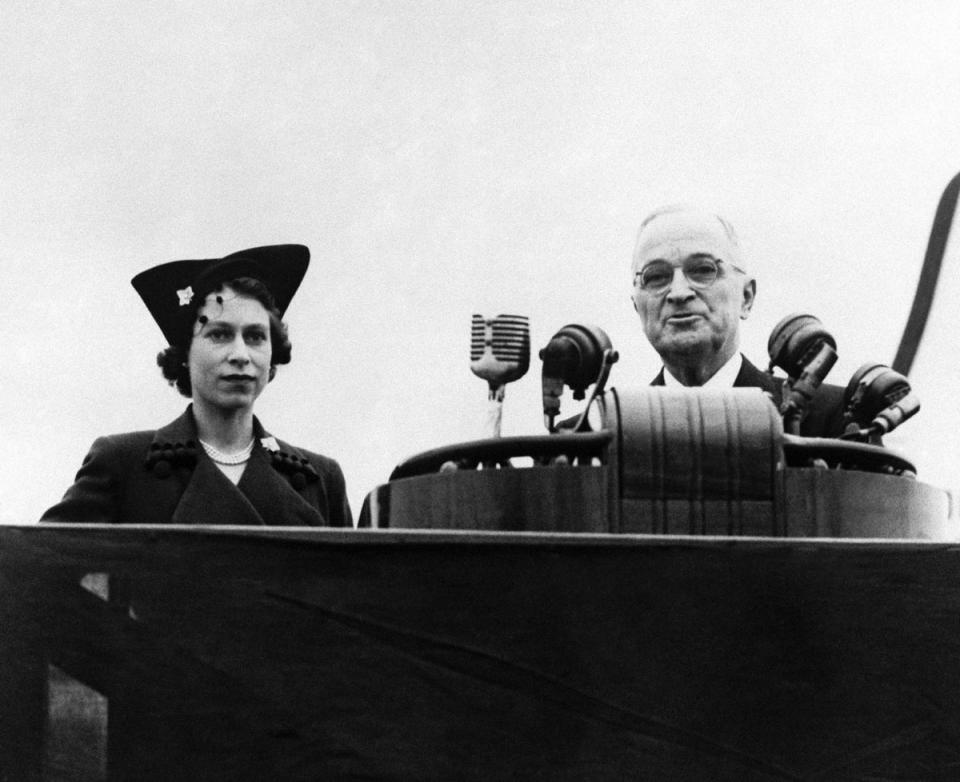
[215, 464]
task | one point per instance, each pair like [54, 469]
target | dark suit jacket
[165, 477]
[825, 415]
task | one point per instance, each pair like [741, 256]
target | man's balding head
[675, 218]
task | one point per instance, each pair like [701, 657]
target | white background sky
[441, 159]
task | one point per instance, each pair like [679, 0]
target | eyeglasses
[701, 272]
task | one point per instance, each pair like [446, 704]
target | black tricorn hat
[169, 288]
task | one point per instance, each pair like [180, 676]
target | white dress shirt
[722, 378]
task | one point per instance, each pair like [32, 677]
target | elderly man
[691, 290]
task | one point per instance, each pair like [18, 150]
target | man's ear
[749, 295]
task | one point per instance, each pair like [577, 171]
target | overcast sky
[441, 159]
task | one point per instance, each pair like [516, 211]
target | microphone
[806, 351]
[877, 400]
[499, 354]
[575, 356]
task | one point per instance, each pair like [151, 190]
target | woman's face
[229, 357]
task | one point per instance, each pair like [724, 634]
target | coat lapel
[206, 495]
[211, 498]
[273, 495]
[263, 496]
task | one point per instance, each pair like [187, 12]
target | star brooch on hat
[185, 295]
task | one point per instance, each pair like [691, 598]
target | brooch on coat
[298, 471]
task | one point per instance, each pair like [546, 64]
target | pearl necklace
[240, 457]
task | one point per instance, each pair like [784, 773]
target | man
[691, 290]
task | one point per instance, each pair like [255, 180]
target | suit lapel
[751, 377]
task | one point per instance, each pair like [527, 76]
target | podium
[665, 461]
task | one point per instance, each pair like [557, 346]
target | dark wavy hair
[173, 359]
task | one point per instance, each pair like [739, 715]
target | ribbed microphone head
[500, 348]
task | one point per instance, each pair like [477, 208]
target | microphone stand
[494, 415]
[798, 393]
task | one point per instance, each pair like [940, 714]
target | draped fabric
[322, 654]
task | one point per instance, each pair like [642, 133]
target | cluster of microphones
[877, 398]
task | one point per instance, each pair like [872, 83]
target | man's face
[685, 322]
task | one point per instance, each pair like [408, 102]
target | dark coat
[824, 417]
[165, 477]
